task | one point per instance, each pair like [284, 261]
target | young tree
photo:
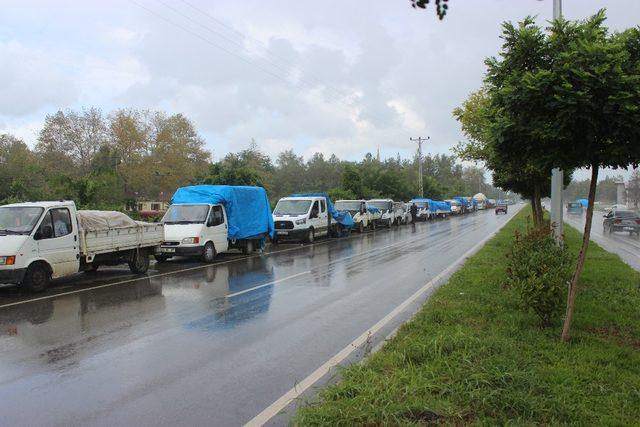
[567, 98]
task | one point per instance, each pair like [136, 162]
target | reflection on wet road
[621, 243]
[211, 345]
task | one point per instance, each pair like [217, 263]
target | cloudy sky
[333, 76]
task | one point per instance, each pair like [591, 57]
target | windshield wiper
[6, 231]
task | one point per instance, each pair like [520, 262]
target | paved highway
[627, 247]
[221, 344]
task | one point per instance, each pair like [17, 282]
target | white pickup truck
[364, 215]
[390, 213]
[41, 241]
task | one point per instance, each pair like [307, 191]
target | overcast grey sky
[333, 76]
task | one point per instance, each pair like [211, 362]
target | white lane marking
[335, 261]
[284, 401]
[268, 284]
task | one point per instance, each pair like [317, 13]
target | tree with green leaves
[566, 97]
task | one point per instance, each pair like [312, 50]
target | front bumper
[291, 234]
[13, 276]
[170, 251]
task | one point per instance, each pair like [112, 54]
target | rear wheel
[209, 253]
[248, 247]
[161, 258]
[37, 278]
[389, 223]
[373, 225]
[360, 227]
[139, 264]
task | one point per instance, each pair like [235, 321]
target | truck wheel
[247, 248]
[360, 227]
[37, 277]
[161, 258]
[209, 253]
[373, 225]
[310, 236]
[389, 223]
[140, 262]
[92, 268]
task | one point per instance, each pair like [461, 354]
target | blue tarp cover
[583, 202]
[373, 209]
[463, 201]
[248, 210]
[441, 206]
[341, 217]
[429, 202]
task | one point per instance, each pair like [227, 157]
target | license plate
[282, 233]
[168, 250]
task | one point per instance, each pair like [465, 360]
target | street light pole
[419, 140]
[557, 175]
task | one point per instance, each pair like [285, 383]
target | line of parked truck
[40, 241]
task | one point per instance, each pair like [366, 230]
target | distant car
[501, 207]
[574, 208]
[621, 220]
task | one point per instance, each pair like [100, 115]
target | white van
[301, 218]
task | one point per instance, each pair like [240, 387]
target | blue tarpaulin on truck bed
[248, 210]
[441, 206]
[341, 217]
[583, 202]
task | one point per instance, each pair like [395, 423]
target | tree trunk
[537, 220]
[573, 287]
[534, 211]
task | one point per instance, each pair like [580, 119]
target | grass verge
[472, 356]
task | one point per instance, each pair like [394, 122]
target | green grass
[472, 356]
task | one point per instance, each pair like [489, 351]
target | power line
[243, 57]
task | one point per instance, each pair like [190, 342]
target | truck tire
[373, 225]
[209, 253]
[360, 227]
[37, 277]
[389, 223]
[310, 236]
[248, 247]
[161, 258]
[139, 263]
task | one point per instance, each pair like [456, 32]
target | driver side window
[216, 217]
[315, 209]
[45, 231]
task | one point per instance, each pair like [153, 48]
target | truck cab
[364, 215]
[301, 218]
[388, 214]
[197, 229]
[38, 241]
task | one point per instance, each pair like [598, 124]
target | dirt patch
[617, 336]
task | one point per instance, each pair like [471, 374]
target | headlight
[190, 240]
[301, 221]
[7, 260]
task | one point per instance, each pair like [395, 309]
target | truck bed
[141, 235]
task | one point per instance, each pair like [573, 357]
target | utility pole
[420, 140]
[557, 175]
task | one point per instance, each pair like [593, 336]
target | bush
[540, 271]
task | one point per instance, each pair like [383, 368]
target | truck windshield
[424, 205]
[18, 220]
[186, 214]
[292, 207]
[383, 206]
[344, 205]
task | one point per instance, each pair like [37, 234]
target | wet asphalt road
[621, 243]
[211, 345]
